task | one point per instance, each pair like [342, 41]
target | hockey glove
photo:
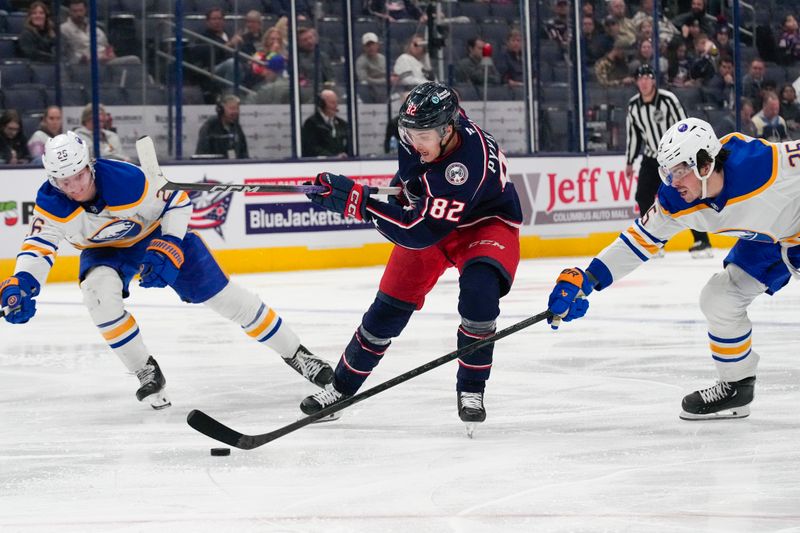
[161, 262]
[343, 196]
[567, 301]
[16, 296]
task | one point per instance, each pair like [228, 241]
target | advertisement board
[571, 205]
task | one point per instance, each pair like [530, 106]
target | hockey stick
[149, 162]
[7, 310]
[210, 427]
[254, 187]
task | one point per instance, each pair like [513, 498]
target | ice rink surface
[582, 431]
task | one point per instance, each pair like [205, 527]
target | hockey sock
[479, 306]
[362, 354]
[256, 318]
[102, 295]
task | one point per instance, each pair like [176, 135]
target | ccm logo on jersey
[486, 242]
[117, 230]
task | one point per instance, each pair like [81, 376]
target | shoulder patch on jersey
[456, 174]
[122, 185]
[54, 204]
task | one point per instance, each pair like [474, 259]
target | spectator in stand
[110, 143]
[309, 69]
[588, 9]
[612, 69]
[248, 41]
[413, 66]
[753, 82]
[768, 122]
[627, 31]
[557, 28]
[324, 133]
[597, 43]
[509, 64]
[470, 69]
[790, 110]
[704, 60]
[697, 15]
[666, 29]
[728, 124]
[789, 41]
[271, 47]
[722, 40]
[720, 89]
[50, 126]
[371, 64]
[274, 86]
[13, 144]
[214, 31]
[37, 40]
[611, 30]
[221, 136]
[393, 10]
[75, 38]
[645, 56]
[679, 64]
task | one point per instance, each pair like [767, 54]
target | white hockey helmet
[65, 155]
[681, 143]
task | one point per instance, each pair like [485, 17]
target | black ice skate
[471, 410]
[310, 367]
[724, 400]
[701, 250]
[153, 384]
[322, 399]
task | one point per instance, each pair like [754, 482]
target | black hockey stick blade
[255, 187]
[211, 427]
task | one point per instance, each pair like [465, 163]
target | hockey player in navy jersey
[737, 186]
[457, 209]
[124, 225]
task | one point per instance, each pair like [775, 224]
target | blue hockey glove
[16, 296]
[567, 301]
[161, 262]
[344, 196]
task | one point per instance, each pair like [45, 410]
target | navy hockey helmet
[429, 105]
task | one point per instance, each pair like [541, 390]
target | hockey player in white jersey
[736, 186]
[124, 225]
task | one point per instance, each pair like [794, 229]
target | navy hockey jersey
[466, 186]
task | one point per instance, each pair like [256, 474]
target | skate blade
[158, 400]
[726, 414]
[470, 427]
[329, 418]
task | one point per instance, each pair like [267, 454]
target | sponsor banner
[295, 217]
[560, 196]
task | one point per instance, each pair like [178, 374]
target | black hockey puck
[220, 451]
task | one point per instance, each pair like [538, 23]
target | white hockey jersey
[759, 201]
[128, 208]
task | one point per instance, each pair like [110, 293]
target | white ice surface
[582, 431]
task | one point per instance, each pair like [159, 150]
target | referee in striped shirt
[650, 114]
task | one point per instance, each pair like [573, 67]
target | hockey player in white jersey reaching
[124, 225]
[736, 186]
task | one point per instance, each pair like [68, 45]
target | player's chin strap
[704, 181]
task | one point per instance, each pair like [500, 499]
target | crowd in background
[395, 51]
